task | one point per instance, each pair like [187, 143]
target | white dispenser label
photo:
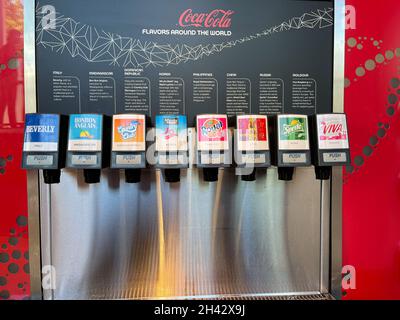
[39, 160]
[294, 158]
[84, 159]
[334, 157]
[131, 159]
[171, 159]
[213, 159]
[332, 131]
[253, 158]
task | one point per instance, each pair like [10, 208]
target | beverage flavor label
[129, 133]
[293, 132]
[85, 132]
[171, 133]
[212, 132]
[332, 131]
[41, 132]
[252, 133]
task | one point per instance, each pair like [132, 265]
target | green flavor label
[293, 132]
[293, 128]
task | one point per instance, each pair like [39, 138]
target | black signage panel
[184, 57]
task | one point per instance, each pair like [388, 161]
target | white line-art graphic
[98, 46]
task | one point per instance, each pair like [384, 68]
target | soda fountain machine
[180, 150]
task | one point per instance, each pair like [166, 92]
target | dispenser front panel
[229, 238]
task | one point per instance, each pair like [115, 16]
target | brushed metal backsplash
[192, 239]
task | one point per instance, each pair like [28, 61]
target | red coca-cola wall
[14, 254]
[371, 191]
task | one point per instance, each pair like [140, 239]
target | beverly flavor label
[212, 132]
[293, 132]
[171, 133]
[129, 133]
[85, 132]
[41, 132]
[252, 133]
[332, 131]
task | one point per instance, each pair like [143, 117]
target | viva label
[293, 132]
[171, 133]
[85, 132]
[129, 133]
[212, 132]
[332, 131]
[252, 133]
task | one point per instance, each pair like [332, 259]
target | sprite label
[293, 128]
[293, 132]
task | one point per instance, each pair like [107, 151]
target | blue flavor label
[85, 132]
[171, 133]
[41, 132]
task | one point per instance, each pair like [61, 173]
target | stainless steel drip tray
[282, 296]
[316, 296]
[156, 240]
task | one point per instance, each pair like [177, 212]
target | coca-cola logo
[217, 18]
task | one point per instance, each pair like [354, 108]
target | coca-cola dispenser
[213, 144]
[44, 146]
[252, 147]
[88, 144]
[128, 149]
[171, 145]
[331, 147]
[291, 143]
[168, 106]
